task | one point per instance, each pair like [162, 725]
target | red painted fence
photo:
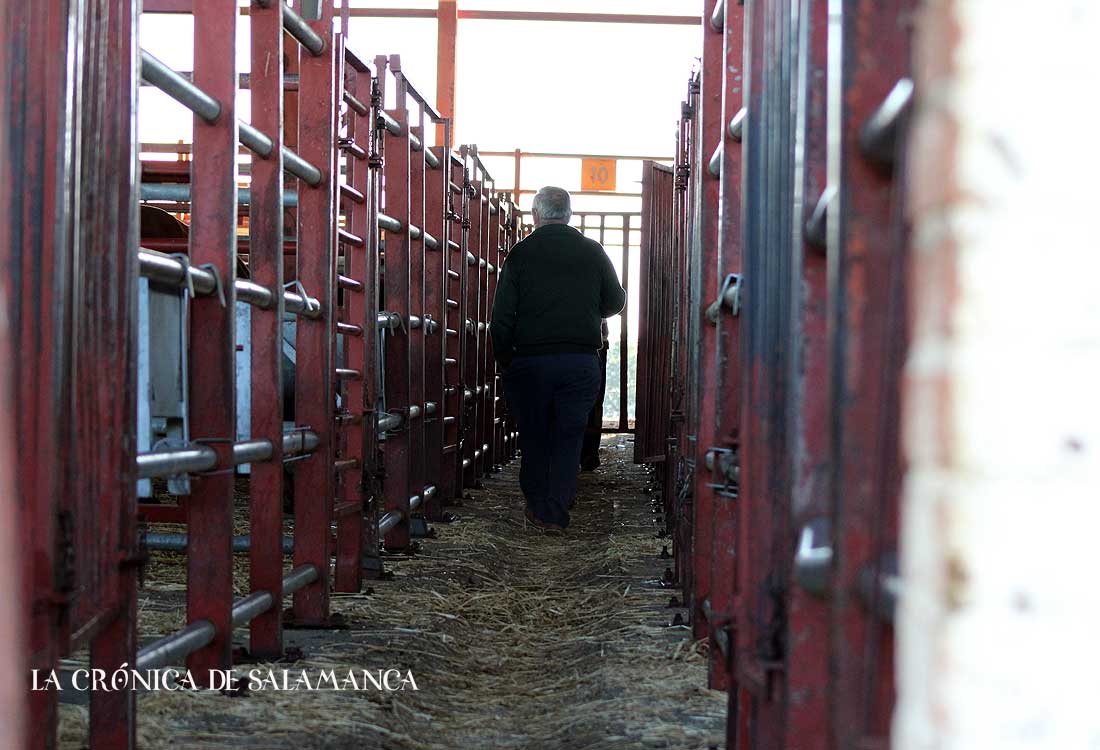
[771, 348]
[382, 249]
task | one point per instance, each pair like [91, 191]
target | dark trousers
[551, 396]
[593, 431]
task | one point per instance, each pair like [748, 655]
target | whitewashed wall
[999, 628]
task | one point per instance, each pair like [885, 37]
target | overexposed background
[564, 87]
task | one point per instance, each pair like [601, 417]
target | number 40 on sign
[598, 174]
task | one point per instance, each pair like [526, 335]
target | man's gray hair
[553, 203]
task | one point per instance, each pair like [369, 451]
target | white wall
[999, 629]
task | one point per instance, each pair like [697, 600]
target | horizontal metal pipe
[816, 229]
[389, 421]
[415, 232]
[430, 407]
[737, 124]
[307, 307]
[172, 648]
[718, 16]
[301, 168]
[346, 373]
[813, 561]
[452, 245]
[389, 320]
[351, 193]
[349, 329]
[297, 27]
[414, 411]
[879, 134]
[167, 269]
[299, 578]
[252, 451]
[350, 239]
[254, 294]
[171, 463]
[414, 503]
[248, 608]
[181, 193]
[415, 143]
[357, 106]
[431, 159]
[346, 282]
[466, 463]
[300, 441]
[158, 74]
[159, 542]
[471, 259]
[388, 521]
[390, 124]
[414, 321]
[388, 223]
[254, 139]
[431, 242]
[714, 166]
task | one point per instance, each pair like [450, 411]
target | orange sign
[598, 174]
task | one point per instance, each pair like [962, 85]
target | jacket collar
[554, 229]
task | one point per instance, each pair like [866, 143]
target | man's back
[553, 292]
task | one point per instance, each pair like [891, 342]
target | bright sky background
[537, 86]
[562, 87]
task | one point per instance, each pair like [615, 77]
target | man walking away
[554, 290]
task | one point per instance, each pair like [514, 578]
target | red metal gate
[780, 475]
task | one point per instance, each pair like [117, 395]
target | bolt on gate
[322, 330]
[773, 302]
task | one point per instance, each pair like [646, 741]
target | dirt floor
[514, 638]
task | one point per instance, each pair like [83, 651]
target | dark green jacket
[554, 291]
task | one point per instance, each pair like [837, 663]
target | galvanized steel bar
[189, 94]
[303, 30]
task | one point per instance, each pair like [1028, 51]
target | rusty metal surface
[212, 240]
[867, 338]
[397, 483]
[315, 351]
[265, 256]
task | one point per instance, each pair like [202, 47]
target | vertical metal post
[355, 419]
[265, 262]
[517, 184]
[35, 308]
[397, 485]
[107, 231]
[705, 240]
[446, 59]
[417, 167]
[373, 340]
[435, 294]
[473, 340]
[315, 356]
[624, 330]
[213, 240]
[454, 326]
[491, 259]
[867, 302]
[808, 616]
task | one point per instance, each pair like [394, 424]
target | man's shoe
[544, 525]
